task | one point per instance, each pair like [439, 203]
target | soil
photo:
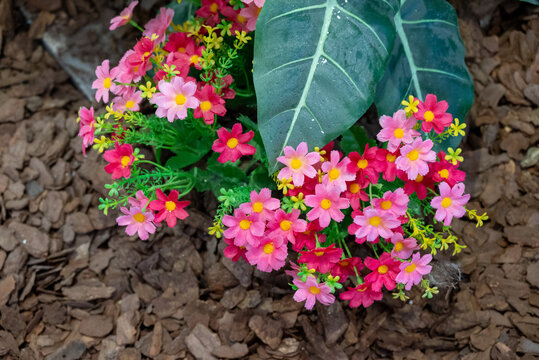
[73, 286]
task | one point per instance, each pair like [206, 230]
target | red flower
[210, 10]
[345, 267]
[321, 259]
[367, 165]
[120, 160]
[355, 194]
[384, 272]
[233, 145]
[144, 49]
[168, 207]
[362, 294]
[308, 237]
[390, 171]
[433, 114]
[234, 252]
[180, 42]
[211, 104]
[443, 170]
[419, 185]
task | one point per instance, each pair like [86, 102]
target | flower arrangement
[176, 88]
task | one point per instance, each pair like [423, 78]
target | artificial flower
[159, 24]
[137, 221]
[415, 157]
[243, 228]
[105, 81]
[395, 202]
[434, 115]
[411, 272]
[374, 223]
[233, 252]
[286, 225]
[403, 248]
[336, 171]
[326, 205]
[168, 208]
[124, 16]
[299, 163]
[384, 270]
[261, 203]
[311, 291]
[450, 203]
[362, 294]
[120, 160]
[397, 130]
[233, 145]
[174, 98]
[269, 254]
[321, 258]
[210, 105]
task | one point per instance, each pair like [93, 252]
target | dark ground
[73, 286]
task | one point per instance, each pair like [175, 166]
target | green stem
[135, 25]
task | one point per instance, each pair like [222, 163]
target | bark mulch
[73, 286]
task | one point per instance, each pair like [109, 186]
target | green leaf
[183, 159]
[316, 65]
[428, 57]
[534, 2]
[183, 11]
[355, 139]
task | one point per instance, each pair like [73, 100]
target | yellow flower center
[375, 220]
[354, 188]
[181, 49]
[170, 205]
[361, 289]
[194, 59]
[410, 268]
[139, 217]
[398, 246]
[391, 157]
[319, 253]
[344, 263]
[268, 248]
[214, 7]
[429, 116]
[362, 164]
[285, 225]
[446, 202]
[399, 133]
[314, 290]
[245, 225]
[205, 105]
[180, 99]
[107, 83]
[419, 178]
[146, 54]
[334, 174]
[386, 204]
[382, 269]
[129, 104]
[258, 207]
[125, 161]
[232, 143]
[413, 155]
[444, 173]
[241, 19]
[325, 204]
[295, 164]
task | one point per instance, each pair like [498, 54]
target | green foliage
[316, 67]
[355, 139]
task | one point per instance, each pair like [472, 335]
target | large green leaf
[428, 57]
[316, 65]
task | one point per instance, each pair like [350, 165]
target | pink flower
[412, 271]
[394, 202]
[414, 158]
[390, 171]
[140, 201]
[384, 272]
[354, 194]
[130, 100]
[321, 259]
[120, 160]
[262, 204]
[336, 172]
[159, 24]
[367, 166]
[258, 3]
[105, 81]
[326, 205]
[174, 98]
[362, 294]
[211, 104]
[309, 236]
[86, 130]
[233, 252]
[233, 145]
[450, 203]
[243, 228]
[374, 223]
[396, 130]
[403, 248]
[347, 267]
[250, 13]
[124, 17]
[433, 114]
[137, 221]
[286, 225]
[269, 254]
[168, 207]
[311, 291]
[298, 163]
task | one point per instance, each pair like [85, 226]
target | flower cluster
[373, 194]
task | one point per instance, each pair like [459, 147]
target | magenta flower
[299, 163]
[309, 236]
[450, 203]
[366, 166]
[159, 24]
[233, 252]
[243, 228]
[86, 127]
[286, 225]
[362, 294]
[394, 202]
[433, 114]
[384, 271]
[168, 207]
[336, 172]
[414, 158]
[105, 81]
[262, 204]
[443, 170]
[397, 129]
[347, 267]
[120, 160]
[174, 98]
[403, 248]
[139, 201]
[250, 13]
[411, 272]
[311, 291]
[137, 221]
[233, 145]
[124, 17]
[321, 259]
[326, 204]
[269, 254]
[354, 194]
[374, 223]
